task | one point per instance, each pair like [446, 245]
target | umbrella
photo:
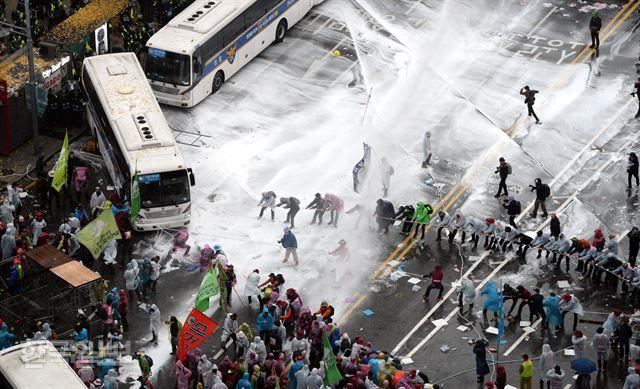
[583, 366]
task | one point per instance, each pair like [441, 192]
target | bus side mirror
[192, 177]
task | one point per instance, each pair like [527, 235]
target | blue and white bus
[134, 138]
[196, 52]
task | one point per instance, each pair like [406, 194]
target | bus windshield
[164, 189]
[165, 66]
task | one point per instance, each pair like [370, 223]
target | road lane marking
[523, 337]
[542, 21]
[455, 311]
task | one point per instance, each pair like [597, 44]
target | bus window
[164, 189]
[255, 12]
[168, 67]
[197, 65]
[232, 30]
[271, 4]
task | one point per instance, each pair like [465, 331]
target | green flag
[331, 373]
[97, 234]
[208, 288]
[135, 199]
[60, 174]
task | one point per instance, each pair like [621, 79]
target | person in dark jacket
[320, 205]
[624, 335]
[542, 193]
[482, 367]
[293, 205]
[595, 24]
[554, 226]
[529, 100]
[436, 282]
[632, 170]
[503, 170]
[290, 244]
[634, 245]
[523, 295]
[405, 214]
[636, 93]
[514, 208]
[385, 215]
[536, 307]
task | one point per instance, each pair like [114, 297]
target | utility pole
[26, 32]
[32, 80]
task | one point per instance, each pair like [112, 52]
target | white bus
[36, 365]
[133, 134]
[207, 43]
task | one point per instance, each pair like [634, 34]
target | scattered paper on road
[439, 322]
[563, 284]
[473, 258]
[406, 361]
[462, 328]
[492, 330]
[368, 312]
[569, 352]
[414, 280]
[416, 288]
[524, 323]
[529, 329]
[392, 263]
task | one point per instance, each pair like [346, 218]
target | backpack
[509, 169]
[102, 313]
[149, 360]
[518, 207]
[546, 191]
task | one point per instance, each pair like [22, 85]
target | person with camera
[542, 194]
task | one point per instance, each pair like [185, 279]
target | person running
[436, 283]
[595, 24]
[504, 170]
[529, 99]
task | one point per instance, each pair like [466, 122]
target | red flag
[195, 330]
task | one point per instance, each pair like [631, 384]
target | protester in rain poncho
[554, 317]
[467, 294]
[386, 171]
[111, 379]
[426, 148]
[252, 288]
[154, 322]
[268, 200]
[182, 375]
[492, 303]
[6, 212]
[37, 224]
[547, 363]
[111, 253]
[8, 242]
[205, 369]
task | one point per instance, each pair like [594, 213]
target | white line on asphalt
[435, 307]
[523, 337]
[568, 386]
[586, 148]
[343, 73]
[323, 25]
[418, 2]
[455, 311]
[219, 353]
[542, 21]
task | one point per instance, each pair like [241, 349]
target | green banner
[332, 374]
[60, 173]
[135, 199]
[208, 288]
[97, 234]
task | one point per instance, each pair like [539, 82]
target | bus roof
[137, 121]
[190, 28]
[37, 365]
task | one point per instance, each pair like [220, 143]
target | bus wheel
[281, 30]
[218, 80]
